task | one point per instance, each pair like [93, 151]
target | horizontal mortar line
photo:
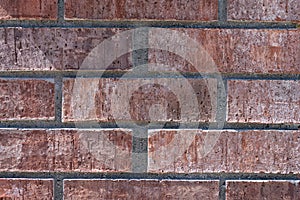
[151, 176]
[147, 23]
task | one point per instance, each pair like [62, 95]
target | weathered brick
[231, 50]
[23, 99]
[139, 10]
[66, 150]
[34, 189]
[28, 9]
[144, 100]
[273, 10]
[141, 189]
[264, 101]
[57, 49]
[189, 151]
[267, 190]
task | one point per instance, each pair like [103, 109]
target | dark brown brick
[197, 151]
[28, 9]
[141, 10]
[267, 190]
[264, 101]
[23, 99]
[141, 189]
[34, 189]
[65, 150]
[145, 100]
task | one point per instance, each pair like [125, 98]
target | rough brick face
[141, 189]
[65, 150]
[28, 9]
[34, 189]
[257, 190]
[274, 10]
[22, 99]
[134, 9]
[142, 100]
[188, 151]
[263, 101]
[236, 51]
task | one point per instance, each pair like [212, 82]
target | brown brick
[66, 150]
[144, 100]
[232, 50]
[273, 10]
[267, 190]
[34, 189]
[23, 99]
[28, 9]
[141, 189]
[57, 48]
[141, 10]
[264, 101]
[189, 151]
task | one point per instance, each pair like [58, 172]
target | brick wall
[170, 99]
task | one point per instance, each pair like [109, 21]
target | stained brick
[65, 150]
[144, 100]
[28, 9]
[257, 190]
[141, 189]
[191, 151]
[23, 99]
[34, 189]
[139, 10]
[264, 101]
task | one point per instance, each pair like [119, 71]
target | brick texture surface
[189, 151]
[145, 100]
[65, 150]
[234, 51]
[267, 190]
[274, 10]
[34, 189]
[28, 9]
[55, 48]
[22, 99]
[141, 189]
[134, 9]
[264, 101]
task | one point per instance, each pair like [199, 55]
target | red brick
[56, 48]
[65, 150]
[273, 10]
[231, 50]
[28, 9]
[141, 10]
[198, 151]
[34, 189]
[267, 190]
[23, 99]
[141, 189]
[145, 100]
[264, 101]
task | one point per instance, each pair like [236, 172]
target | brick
[34, 189]
[257, 190]
[44, 49]
[23, 99]
[143, 100]
[28, 9]
[65, 150]
[199, 151]
[229, 50]
[274, 10]
[140, 10]
[263, 101]
[140, 189]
